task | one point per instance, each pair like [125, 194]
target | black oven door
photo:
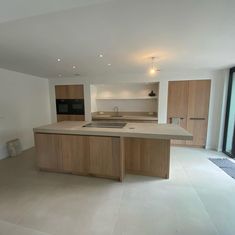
[62, 106]
[77, 107]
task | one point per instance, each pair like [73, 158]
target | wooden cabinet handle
[197, 118]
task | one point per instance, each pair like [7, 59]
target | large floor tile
[13, 229]
[198, 198]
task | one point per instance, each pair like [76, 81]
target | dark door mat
[226, 165]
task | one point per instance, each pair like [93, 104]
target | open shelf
[127, 98]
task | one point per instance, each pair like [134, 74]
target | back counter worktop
[137, 148]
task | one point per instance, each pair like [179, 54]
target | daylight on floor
[117, 117]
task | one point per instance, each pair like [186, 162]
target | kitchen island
[136, 148]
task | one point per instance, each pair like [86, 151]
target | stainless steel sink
[106, 124]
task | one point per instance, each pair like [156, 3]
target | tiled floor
[198, 199]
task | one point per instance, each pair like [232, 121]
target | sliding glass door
[229, 132]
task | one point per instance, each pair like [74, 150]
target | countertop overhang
[135, 130]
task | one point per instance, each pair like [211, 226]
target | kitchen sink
[106, 124]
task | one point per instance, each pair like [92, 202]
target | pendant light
[153, 70]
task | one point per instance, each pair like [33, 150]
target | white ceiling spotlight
[58, 60]
[109, 64]
[101, 55]
[59, 75]
[153, 68]
[74, 67]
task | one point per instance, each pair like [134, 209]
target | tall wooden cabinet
[189, 101]
[69, 92]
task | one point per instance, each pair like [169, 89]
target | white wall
[124, 90]
[218, 80]
[93, 90]
[24, 104]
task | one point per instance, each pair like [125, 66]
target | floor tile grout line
[200, 199]
[119, 209]
[24, 227]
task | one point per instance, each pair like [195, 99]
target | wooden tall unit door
[198, 108]
[178, 105]
[69, 92]
[189, 101]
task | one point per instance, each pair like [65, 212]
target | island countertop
[136, 130]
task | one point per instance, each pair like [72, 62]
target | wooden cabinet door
[198, 108]
[69, 92]
[198, 128]
[198, 98]
[62, 117]
[75, 92]
[178, 104]
[104, 157]
[79, 148]
[147, 157]
[61, 92]
[48, 147]
[67, 151]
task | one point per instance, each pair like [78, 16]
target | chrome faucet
[116, 110]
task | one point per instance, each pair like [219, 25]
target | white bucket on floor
[14, 147]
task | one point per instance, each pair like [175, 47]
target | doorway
[229, 131]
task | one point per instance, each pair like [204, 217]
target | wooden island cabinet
[137, 148]
[85, 155]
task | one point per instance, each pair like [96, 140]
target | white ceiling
[17, 9]
[183, 34]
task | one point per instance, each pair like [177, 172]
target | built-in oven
[70, 106]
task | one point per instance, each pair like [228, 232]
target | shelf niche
[129, 97]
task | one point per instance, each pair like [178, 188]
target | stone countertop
[124, 117]
[137, 130]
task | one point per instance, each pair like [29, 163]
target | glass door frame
[229, 95]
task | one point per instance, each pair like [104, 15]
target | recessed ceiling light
[58, 60]
[59, 75]
[101, 56]
[109, 64]
[74, 67]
